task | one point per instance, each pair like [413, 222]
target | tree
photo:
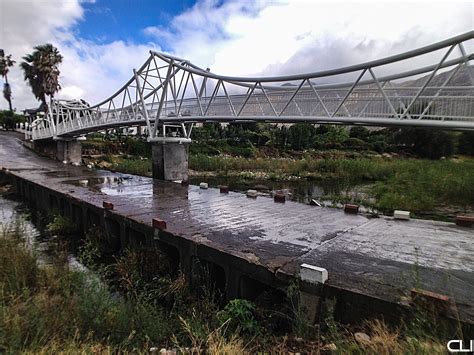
[301, 135]
[42, 73]
[5, 63]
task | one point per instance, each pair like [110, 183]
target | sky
[103, 40]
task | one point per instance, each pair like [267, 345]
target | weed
[60, 225]
[240, 316]
[301, 325]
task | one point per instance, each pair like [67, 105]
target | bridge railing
[169, 92]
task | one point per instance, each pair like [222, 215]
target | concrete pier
[69, 150]
[170, 161]
[255, 245]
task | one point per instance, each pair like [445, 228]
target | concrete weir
[252, 245]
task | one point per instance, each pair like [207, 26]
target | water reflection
[301, 190]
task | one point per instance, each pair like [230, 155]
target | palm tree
[42, 73]
[5, 63]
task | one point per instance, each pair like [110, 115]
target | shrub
[427, 143]
[466, 143]
[61, 226]
[239, 314]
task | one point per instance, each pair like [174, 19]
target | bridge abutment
[170, 160]
[69, 151]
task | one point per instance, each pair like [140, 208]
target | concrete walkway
[379, 257]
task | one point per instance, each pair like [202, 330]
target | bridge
[169, 95]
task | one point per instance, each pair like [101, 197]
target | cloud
[89, 70]
[289, 37]
[232, 37]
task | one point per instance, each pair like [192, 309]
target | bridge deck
[376, 257]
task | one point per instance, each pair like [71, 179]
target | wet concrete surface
[379, 257]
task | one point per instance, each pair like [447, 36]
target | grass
[45, 308]
[138, 299]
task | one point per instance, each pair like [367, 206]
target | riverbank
[136, 301]
[433, 189]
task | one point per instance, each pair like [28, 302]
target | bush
[427, 143]
[359, 132]
[466, 143]
[8, 119]
[239, 314]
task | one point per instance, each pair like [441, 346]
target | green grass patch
[413, 184]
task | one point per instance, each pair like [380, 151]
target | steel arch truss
[169, 95]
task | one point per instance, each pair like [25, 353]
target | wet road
[377, 257]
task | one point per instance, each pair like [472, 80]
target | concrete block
[465, 221]
[224, 189]
[351, 208]
[313, 274]
[108, 205]
[204, 185]
[252, 193]
[280, 198]
[404, 215]
[159, 224]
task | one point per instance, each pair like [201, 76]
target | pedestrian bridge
[169, 94]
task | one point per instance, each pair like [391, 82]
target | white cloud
[89, 70]
[304, 36]
[233, 37]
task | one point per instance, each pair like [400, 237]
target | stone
[313, 274]
[204, 185]
[329, 347]
[279, 197]
[158, 223]
[108, 205]
[402, 215]
[252, 193]
[104, 164]
[362, 338]
[351, 208]
[464, 221]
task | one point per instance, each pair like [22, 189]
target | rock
[329, 347]
[104, 164]
[89, 166]
[387, 155]
[261, 188]
[362, 338]
[252, 193]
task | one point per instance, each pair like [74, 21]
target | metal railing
[169, 95]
